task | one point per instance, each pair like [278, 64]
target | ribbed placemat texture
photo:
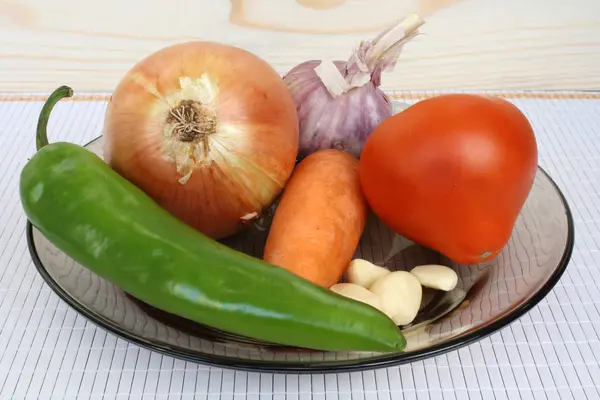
[48, 351]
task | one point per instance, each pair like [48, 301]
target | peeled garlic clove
[357, 293]
[400, 293]
[403, 318]
[363, 273]
[436, 276]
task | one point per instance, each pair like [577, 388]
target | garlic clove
[363, 273]
[436, 276]
[403, 318]
[357, 293]
[400, 293]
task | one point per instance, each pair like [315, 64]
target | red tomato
[452, 173]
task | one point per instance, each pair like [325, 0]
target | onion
[339, 103]
[209, 131]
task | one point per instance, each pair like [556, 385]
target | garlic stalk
[339, 103]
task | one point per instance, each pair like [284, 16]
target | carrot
[320, 218]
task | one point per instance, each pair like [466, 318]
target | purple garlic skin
[340, 122]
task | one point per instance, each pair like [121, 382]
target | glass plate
[488, 297]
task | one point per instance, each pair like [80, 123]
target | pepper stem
[41, 137]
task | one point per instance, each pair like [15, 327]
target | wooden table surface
[467, 44]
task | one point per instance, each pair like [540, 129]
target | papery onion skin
[252, 134]
[342, 123]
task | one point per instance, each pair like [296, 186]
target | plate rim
[318, 367]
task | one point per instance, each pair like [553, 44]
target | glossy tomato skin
[452, 173]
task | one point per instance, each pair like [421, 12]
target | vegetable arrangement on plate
[202, 139]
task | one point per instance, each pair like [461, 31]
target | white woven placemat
[48, 351]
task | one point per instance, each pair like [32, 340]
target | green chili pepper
[111, 227]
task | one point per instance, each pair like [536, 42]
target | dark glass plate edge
[323, 367]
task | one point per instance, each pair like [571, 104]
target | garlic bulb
[339, 103]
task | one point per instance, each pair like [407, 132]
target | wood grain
[467, 44]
